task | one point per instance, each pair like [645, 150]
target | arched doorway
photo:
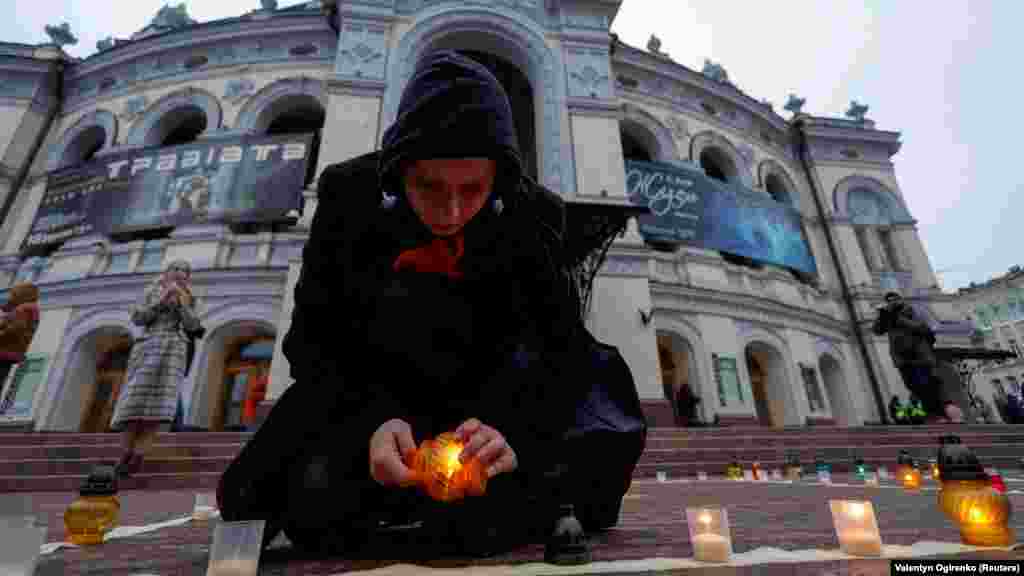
[520, 97]
[112, 353]
[678, 378]
[92, 380]
[835, 386]
[246, 376]
[770, 385]
[236, 368]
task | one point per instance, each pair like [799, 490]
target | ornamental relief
[362, 52]
[589, 73]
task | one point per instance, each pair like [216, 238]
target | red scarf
[442, 256]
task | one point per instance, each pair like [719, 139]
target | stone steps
[194, 460]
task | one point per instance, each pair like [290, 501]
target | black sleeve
[323, 343]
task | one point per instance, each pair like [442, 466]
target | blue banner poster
[688, 207]
[231, 179]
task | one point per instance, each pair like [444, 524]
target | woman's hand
[184, 295]
[487, 445]
[391, 446]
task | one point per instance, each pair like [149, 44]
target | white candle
[748, 475]
[662, 476]
[776, 474]
[702, 476]
[710, 547]
[203, 513]
[234, 567]
[859, 542]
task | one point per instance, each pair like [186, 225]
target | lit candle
[708, 546]
[234, 567]
[856, 528]
[861, 543]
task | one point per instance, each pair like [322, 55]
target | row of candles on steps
[968, 495]
[909, 473]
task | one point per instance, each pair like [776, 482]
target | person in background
[255, 393]
[18, 326]
[911, 345]
[156, 367]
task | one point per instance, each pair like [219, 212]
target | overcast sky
[945, 74]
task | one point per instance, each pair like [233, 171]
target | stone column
[280, 369]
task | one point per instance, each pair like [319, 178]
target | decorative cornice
[232, 30]
[197, 233]
[630, 56]
[355, 86]
[741, 307]
[121, 289]
[594, 107]
[197, 77]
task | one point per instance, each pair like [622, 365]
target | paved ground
[652, 524]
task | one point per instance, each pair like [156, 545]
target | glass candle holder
[883, 473]
[825, 477]
[442, 475]
[856, 527]
[20, 543]
[662, 476]
[911, 478]
[702, 476]
[236, 549]
[734, 471]
[709, 534]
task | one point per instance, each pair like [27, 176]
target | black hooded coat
[505, 343]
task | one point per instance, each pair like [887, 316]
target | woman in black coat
[434, 297]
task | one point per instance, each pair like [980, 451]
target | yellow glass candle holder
[981, 513]
[911, 478]
[856, 527]
[442, 475]
[709, 534]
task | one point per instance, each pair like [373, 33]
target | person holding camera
[911, 345]
[157, 363]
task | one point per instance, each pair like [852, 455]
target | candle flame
[451, 459]
[856, 510]
[705, 518]
[975, 514]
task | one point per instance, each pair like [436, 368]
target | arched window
[633, 149]
[718, 165]
[180, 126]
[84, 146]
[777, 189]
[296, 114]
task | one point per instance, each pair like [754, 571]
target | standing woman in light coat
[156, 366]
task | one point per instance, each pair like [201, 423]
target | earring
[388, 202]
[498, 206]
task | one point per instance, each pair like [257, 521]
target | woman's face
[447, 193]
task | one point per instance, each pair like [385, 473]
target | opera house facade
[742, 295]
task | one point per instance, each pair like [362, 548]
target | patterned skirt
[155, 370]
